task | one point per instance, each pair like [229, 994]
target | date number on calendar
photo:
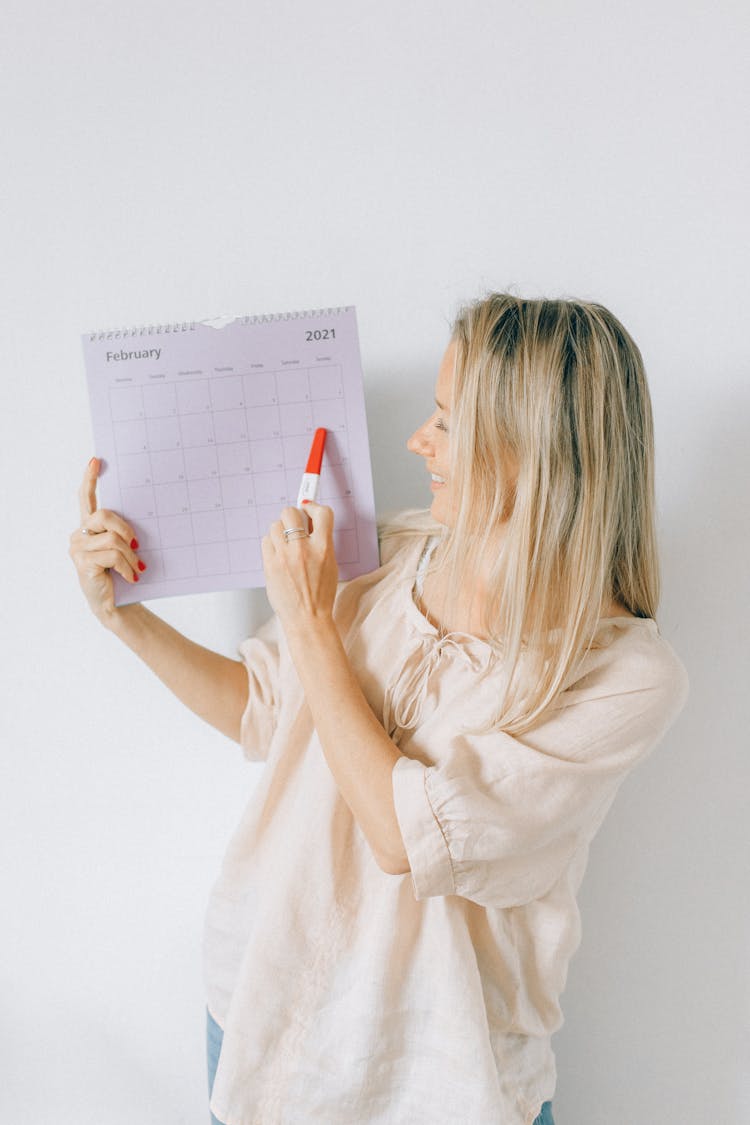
[321, 334]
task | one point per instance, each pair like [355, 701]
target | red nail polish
[134, 544]
[141, 565]
[135, 577]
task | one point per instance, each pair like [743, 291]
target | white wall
[171, 161]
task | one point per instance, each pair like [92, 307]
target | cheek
[443, 451]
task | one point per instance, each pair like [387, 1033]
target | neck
[459, 606]
[462, 609]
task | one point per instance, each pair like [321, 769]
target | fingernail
[135, 577]
[141, 565]
[92, 462]
[134, 544]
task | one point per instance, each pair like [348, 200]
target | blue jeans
[214, 1036]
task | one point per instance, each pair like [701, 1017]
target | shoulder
[630, 658]
[626, 692]
[402, 534]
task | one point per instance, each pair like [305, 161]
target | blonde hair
[552, 433]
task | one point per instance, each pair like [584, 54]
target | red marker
[308, 490]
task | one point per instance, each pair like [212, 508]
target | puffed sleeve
[260, 654]
[500, 818]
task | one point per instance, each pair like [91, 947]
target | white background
[169, 161]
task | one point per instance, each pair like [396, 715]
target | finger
[322, 519]
[87, 491]
[92, 563]
[280, 542]
[103, 520]
[293, 517]
[108, 541]
[96, 519]
[306, 517]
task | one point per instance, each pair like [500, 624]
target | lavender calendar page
[204, 430]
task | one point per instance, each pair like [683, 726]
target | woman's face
[432, 441]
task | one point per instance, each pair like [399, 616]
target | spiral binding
[143, 330]
[191, 326]
[265, 318]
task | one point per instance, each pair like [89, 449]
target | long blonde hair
[555, 392]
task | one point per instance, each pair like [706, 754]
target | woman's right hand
[108, 543]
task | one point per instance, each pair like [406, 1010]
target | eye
[440, 425]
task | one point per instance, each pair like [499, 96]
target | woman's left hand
[301, 572]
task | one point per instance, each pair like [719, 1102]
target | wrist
[310, 628]
[117, 618]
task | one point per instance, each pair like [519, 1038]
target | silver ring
[295, 533]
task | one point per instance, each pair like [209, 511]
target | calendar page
[204, 430]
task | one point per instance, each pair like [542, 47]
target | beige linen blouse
[349, 996]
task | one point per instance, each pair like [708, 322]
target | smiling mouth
[437, 479]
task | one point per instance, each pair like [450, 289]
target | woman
[389, 936]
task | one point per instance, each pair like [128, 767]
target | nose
[419, 442]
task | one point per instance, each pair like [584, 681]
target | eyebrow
[440, 405]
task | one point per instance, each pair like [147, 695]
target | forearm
[211, 685]
[359, 753]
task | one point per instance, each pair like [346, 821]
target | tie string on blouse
[406, 691]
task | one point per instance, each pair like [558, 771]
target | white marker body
[308, 490]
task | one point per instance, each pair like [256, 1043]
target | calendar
[203, 430]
